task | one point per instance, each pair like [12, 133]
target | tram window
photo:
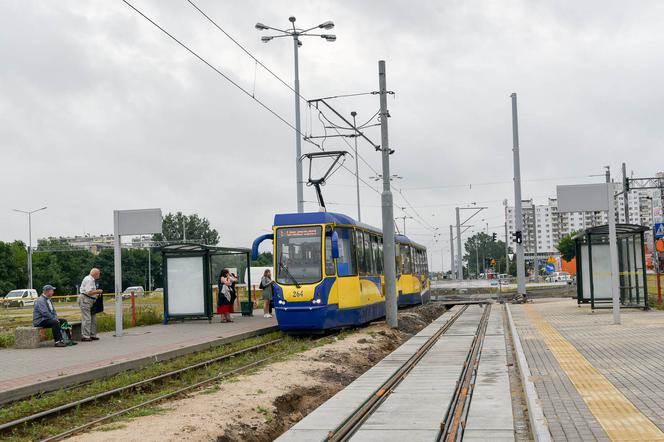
[374, 252]
[329, 261]
[418, 253]
[359, 248]
[379, 260]
[398, 259]
[368, 259]
[346, 261]
[406, 259]
[299, 255]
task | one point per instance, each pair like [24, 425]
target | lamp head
[329, 37]
[261, 27]
[291, 19]
[326, 25]
[265, 39]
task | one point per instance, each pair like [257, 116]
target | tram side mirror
[335, 245]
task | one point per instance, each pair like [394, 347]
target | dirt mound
[415, 319]
[262, 405]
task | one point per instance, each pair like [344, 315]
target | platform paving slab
[490, 412]
[629, 356]
[24, 372]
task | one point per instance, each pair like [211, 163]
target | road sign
[550, 268]
[551, 260]
[659, 230]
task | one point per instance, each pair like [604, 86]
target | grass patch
[285, 349]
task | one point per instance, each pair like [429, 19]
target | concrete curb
[538, 422]
[109, 370]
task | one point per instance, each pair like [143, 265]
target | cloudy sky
[99, 110]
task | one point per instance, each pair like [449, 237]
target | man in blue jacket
[44, 315]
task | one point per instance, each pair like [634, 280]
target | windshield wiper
[288, 273]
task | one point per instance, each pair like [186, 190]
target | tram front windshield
[299, 255]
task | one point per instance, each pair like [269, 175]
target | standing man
[86, 300]
[44, 316]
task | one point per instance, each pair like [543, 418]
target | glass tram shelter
[191, 270]
[593, 267]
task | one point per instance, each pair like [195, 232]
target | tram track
[454, 420]
[49, 413]
[353, 423]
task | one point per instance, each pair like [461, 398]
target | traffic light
[493, 236]
[517, 237]
[626, 186]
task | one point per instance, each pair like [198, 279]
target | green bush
[6, 339]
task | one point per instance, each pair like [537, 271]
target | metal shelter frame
[633, 289]
[206, 252]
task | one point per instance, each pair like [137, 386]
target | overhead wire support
[226, 77]
[350, 125]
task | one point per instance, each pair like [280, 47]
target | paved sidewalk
[28, 371]
[595, 380]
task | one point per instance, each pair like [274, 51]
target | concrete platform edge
[109, 370]
[538, 424]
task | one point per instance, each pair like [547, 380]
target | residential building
[544, 225]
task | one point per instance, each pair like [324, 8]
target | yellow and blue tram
[329, 271]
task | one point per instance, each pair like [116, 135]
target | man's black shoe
[86, 339]
[94, 338]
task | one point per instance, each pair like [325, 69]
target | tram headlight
[316, 301]
[281, 302]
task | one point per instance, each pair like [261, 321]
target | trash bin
[247, 308]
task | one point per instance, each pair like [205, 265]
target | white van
[20, 298]
[559, 277]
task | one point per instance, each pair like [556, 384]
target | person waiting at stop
[44, 316]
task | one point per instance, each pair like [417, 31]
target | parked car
[137, 289]
[20, 298]
[559, 277]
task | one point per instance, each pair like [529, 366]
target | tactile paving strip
[620, 419]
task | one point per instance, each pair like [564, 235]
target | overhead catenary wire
[252, 94]
[211, 66]
[246, 51]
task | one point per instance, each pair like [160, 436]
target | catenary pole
[452, 262]
[613, 254]
[518, 214]
[117, 267]
[459, 253]
[389, 245]
[357, 168]
[30, 250]
[298, 138]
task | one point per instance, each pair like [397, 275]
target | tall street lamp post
[29, 213]
[296, 33]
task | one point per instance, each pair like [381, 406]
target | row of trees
[481, 249]
[56, 262]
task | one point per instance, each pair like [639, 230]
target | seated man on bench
[44, 316]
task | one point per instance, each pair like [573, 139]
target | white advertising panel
[138, 222]
[583, 197]
[186, 294]
[601, 271]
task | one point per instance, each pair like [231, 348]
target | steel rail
[454, 422]
[351, 424]
[42, 414]
[90, 424]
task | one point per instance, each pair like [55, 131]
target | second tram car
[329, 271]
